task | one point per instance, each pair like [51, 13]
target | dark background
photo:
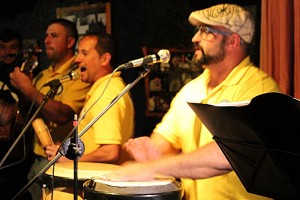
[135, 24]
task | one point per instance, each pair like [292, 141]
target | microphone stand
[77, 153]
[74, 150]
[42, 171]
[51, 92]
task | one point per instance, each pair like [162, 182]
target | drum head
[63, 175]
[103, 190]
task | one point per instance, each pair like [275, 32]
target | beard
[207, 59]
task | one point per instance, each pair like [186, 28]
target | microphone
[74, 66]
[73, 75]
[162, 56]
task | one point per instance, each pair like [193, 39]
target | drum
[60, 184]
[160, 189]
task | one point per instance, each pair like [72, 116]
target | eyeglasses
[208, 33]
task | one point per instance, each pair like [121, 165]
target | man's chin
[198, 61]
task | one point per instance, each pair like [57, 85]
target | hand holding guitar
[21, 77]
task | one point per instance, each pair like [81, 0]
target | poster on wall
[88, 17]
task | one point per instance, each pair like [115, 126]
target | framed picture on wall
[88, 17]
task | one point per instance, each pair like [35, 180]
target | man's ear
[234, 40]
[71, 42]
[106, 58]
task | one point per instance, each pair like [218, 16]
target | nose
[196, 37]
[78, 59]
[47, 39]
[8, 51]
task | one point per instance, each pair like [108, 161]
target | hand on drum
[131, 171]
[51, 152]
[142, 149]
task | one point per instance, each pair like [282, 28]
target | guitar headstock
[30, 60]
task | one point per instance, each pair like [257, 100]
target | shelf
[166, 79]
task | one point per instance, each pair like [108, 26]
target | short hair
[70, 26]
[105, 44]
[9, 34]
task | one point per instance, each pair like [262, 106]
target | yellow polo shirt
[181, 127]
[116, 125]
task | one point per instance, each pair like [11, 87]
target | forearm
[51, 110]
[57, 112]
[205, 162]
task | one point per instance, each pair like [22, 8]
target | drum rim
[89, 186]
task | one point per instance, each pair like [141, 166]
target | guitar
[12, 110]
[13, 118]
[28, 66]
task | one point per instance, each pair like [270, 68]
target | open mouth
[82, 69]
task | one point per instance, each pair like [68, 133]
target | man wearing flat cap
[180, 145]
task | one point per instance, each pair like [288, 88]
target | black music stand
[261, 142]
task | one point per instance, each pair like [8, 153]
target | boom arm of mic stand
[46, 98]
[126, 89]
